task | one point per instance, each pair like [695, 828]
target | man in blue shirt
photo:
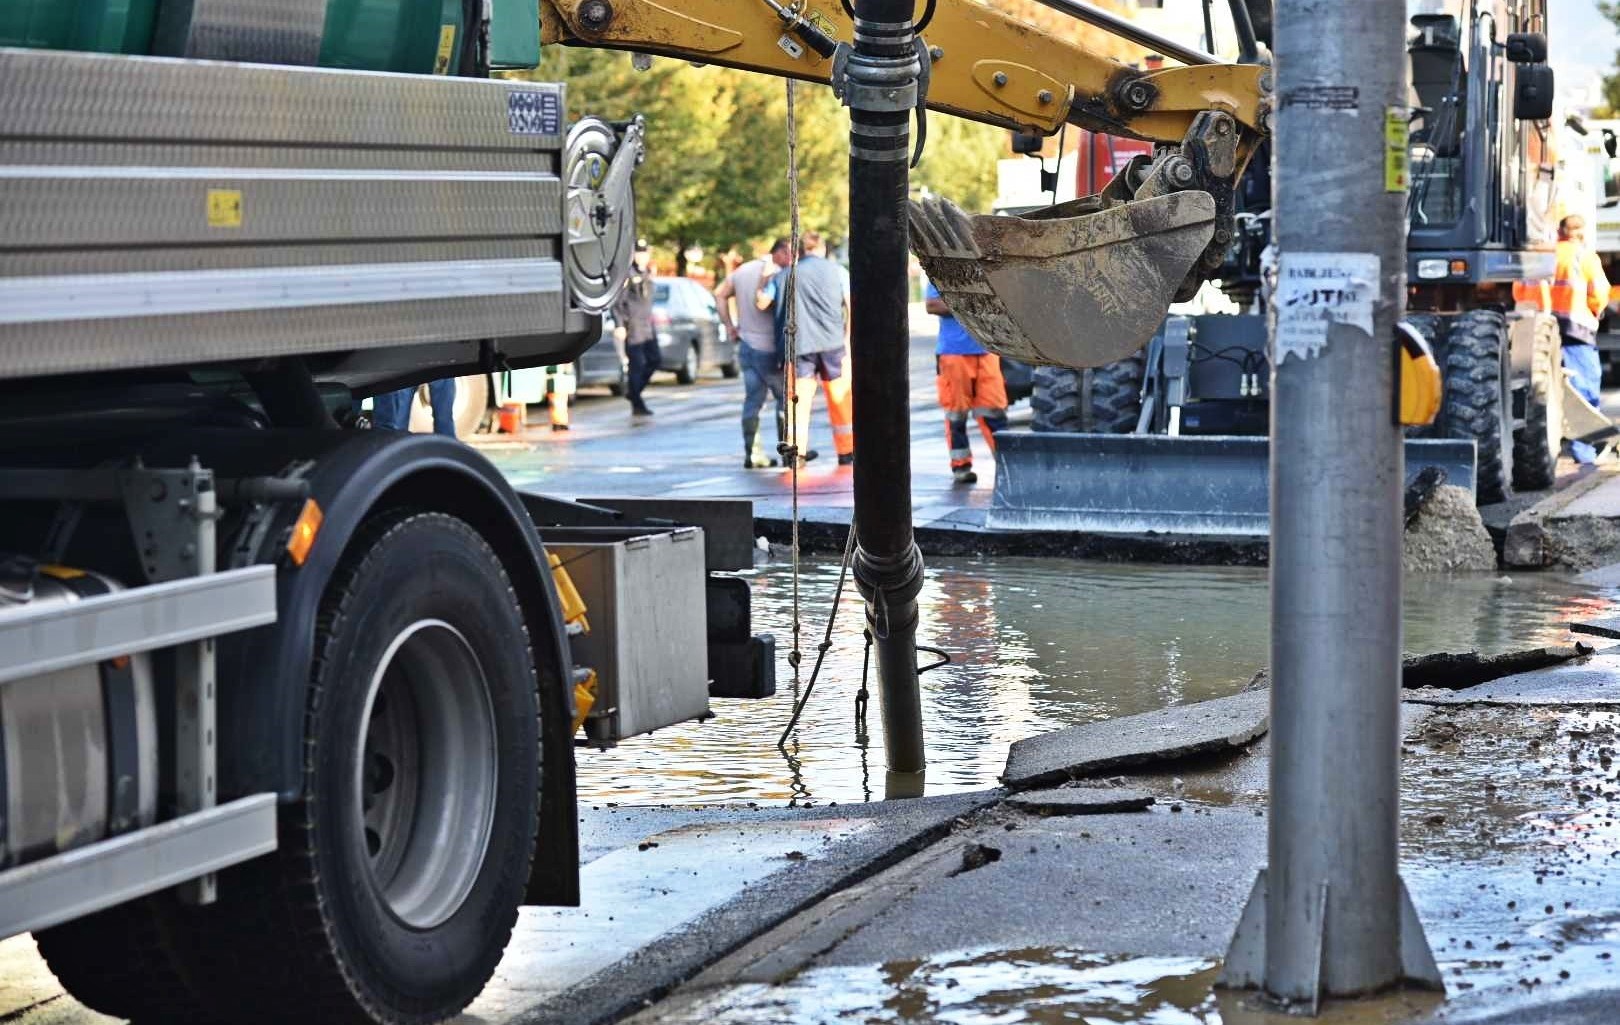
[970, 383]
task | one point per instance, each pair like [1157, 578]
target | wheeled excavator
[286, 709]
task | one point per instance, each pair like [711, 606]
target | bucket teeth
[1077, 291]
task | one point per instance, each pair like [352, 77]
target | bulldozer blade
[1072, 291]
[1136, 484]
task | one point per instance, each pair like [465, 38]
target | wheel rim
[425, 774]
[691, 361]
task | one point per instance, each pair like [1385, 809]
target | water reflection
[1037, 644]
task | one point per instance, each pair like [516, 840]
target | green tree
[1611, 83]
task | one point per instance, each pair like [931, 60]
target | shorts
[829, 365]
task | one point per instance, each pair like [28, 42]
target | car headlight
[1429, 270]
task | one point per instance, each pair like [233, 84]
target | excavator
[1113, 261]
[287, 710]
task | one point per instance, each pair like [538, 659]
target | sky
[1581, 46]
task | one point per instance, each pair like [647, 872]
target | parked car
[690, 337]
[603, 363]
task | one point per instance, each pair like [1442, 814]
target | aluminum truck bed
[166, 213]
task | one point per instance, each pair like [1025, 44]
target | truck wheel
[1536, 445]
[399, 875]
[122, 962]
[687, 372]
[1116, 396]
[1056, 401]
[1476, 403]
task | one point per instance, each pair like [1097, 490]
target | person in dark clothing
[632, 312]
[391, 410]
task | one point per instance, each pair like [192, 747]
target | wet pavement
[961, 909]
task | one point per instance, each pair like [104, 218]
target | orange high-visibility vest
[1580, 290]
[1534, 293]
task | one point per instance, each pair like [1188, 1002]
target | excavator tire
[1536, 445]
[1476, 403]
[1106, 400]
[1056, 401]
[1116, 396]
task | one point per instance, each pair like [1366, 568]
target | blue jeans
[643, 360]
[1586, 374]
[762, 375]
[391, 411]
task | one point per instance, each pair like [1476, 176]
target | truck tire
[124, 963]
[1476, 403]
[1537, 444]
[1116, 396]
[392, 900]
[1056, 401]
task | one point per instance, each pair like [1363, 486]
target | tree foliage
[1611, 83]
[715, 175]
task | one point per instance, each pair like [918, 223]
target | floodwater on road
[1036, 645]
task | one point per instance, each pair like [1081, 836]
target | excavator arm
[987, 66]
[1112, 262]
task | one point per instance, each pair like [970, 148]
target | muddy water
[1036, 644]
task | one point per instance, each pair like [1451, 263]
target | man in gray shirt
[821, 306]
[760, 352]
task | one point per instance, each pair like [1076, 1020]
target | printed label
[447, 50]
[1397, 150]
[1317, 290]
[1332, 99]
[790, 46]
[224, 208]
[534, 111]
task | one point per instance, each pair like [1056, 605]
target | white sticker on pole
[1316, 290]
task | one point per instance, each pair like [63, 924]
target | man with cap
[632, 312]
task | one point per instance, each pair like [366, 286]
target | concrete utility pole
[881, 90]
[1330, 915]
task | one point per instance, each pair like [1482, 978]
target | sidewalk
[1509, 836]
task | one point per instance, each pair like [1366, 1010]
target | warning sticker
[1397, 159]
[1318, 290]
[1331, 99]
[224, 208]
[447, 50]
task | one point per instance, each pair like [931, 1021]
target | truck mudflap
[1194, 486]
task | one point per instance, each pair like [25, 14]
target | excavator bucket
[1081, 284]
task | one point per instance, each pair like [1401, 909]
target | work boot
[964, 475]
[754, 457]
[640, 410]
[846, 459]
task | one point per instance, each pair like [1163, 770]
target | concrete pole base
[1245, 966]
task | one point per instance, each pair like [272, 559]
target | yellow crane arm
[987, 66]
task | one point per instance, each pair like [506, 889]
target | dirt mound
[1447, 535]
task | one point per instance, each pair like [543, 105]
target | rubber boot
[754, 457]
